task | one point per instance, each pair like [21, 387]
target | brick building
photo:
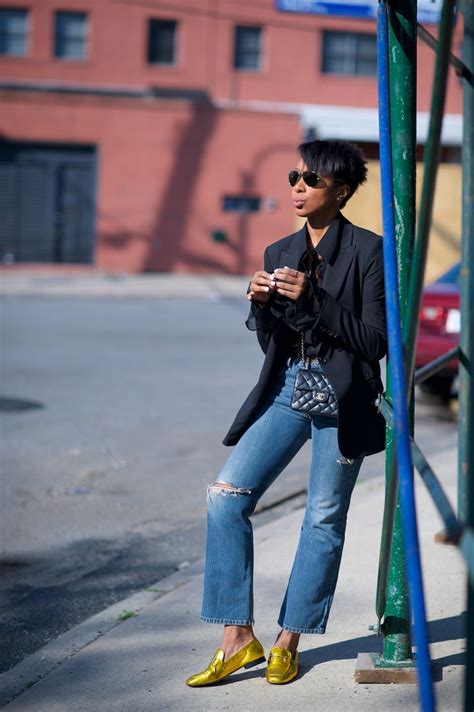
[138, 135]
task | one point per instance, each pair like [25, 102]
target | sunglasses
[311, 178]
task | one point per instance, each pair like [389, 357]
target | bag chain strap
[302, 347]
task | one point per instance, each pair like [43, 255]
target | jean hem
[227, 621]
[293, 629]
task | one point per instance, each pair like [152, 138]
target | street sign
[428, 10]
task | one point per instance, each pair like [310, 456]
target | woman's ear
[343, 192]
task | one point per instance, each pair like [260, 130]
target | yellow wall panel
[364, 209]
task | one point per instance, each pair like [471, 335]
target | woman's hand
[289, 282]
[262, 285]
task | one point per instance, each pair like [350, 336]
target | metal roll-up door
[47, 203]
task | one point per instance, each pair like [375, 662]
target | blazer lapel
[339, 262]
[298, 247]
[290, 259]
[335, 274]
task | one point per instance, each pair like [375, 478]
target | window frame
[85, 38]
[25, 13]
[253, 70]
[164, 20]
[355, 59]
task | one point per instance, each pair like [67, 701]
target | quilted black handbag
[313, 394]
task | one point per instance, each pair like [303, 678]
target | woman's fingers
[290, 276]
[260, 286]
[262, 282]
[289, 271]
[289, 292]
[258, 296]
[289, 282]
[285, 292]
[262, 275]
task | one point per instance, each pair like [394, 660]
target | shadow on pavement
[452, 628]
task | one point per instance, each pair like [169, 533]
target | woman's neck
[318, 227]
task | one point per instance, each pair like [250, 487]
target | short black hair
[336, 159]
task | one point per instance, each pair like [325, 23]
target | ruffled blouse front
[301, 315]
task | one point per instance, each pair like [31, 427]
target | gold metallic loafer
[250, 655]
[282, 666]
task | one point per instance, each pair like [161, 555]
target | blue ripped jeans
[262, 453]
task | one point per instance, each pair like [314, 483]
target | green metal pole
[466, 375]
[431, 160]
[418, 267]
[466, 447]
[402, 43]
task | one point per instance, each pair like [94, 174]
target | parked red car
[440, 322]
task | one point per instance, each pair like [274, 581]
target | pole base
[443, 537]
[371, 667]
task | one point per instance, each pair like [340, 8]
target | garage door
[47, 202]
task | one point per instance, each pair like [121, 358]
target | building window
[13, 31]
[70, 35]
[240, 204]
[248, 48]
[353, 53]
[162, 41]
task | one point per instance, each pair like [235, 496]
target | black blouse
[300, 315]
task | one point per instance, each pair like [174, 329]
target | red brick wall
[292, 52]
[164, 165]
[163, 168]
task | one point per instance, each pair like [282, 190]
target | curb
[32, 669]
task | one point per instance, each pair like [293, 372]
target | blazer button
[323, 360]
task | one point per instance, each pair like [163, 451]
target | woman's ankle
[238, 632]
[288, 640]
[235, 637]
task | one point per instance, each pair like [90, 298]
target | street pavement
[136, 654]
[110, 433]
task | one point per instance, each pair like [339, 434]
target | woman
[318, 304]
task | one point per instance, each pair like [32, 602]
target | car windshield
[451, 276]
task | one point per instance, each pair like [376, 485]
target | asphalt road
[111, 431]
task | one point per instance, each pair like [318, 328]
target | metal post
[466, 375]
[431, 159]
[417, 270]
[402, 54]
[466, 423]
[397, 111]
[401, 420]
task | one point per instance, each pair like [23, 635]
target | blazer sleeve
[261, 318]
[365, 337]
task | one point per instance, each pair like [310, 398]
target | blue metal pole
[397, 374]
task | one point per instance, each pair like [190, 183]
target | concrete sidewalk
[140, 664]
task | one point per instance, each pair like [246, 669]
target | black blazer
[349, 323]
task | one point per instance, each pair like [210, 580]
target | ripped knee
[344, 461]
[224, 489]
